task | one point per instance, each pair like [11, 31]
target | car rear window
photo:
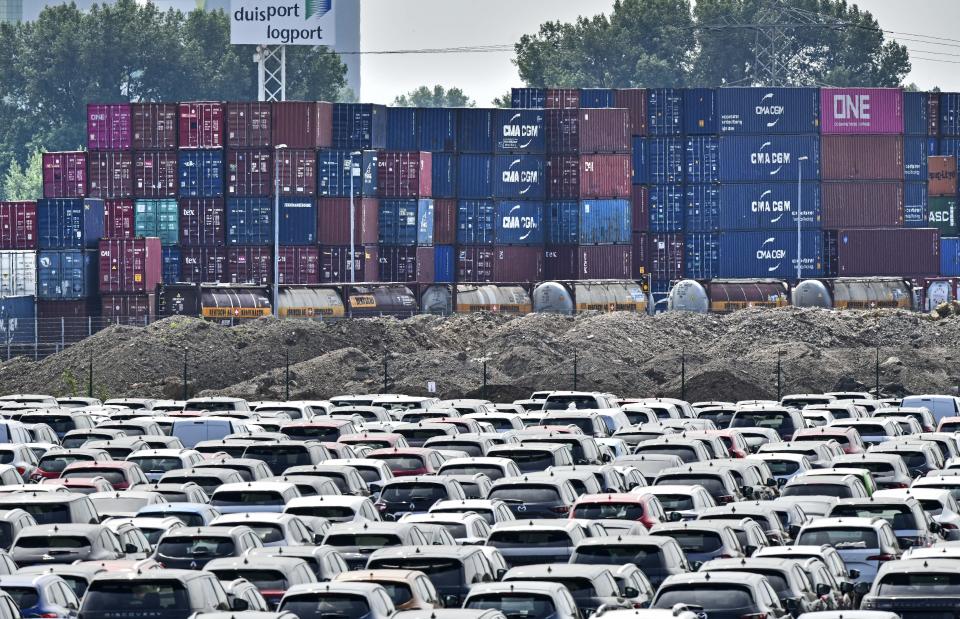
[899, 516]
[841, 491]
[696, 541]
[644, 557]
[526, 494]
[113, 476]
[444, 573]
[154, 464]
[491, 471]
[25, 597]
[399, 593]
[204, 546]
[55, 464]
[529, 459]
[714, 597]
[363, 540]
[246, 497]
[61, 424]
[771, 420]
[874, 467]
[190, 519]
[261, 579]
[584, 423]
[135, 598]
[564, 402]
[312, 433]
[53, 541]
[917, 584]
[840, 538]
[45, 513]
[684, 452]
[515, 605]
[322, 511]
[402, 463]
[279, 457]
[783, 467]
[326, 606]
[713, 484]
[609, 510]
[396, 493]
[518, 538]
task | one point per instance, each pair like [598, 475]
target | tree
[424, 96]
[504, 100]
[24, 182]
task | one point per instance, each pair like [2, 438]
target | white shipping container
[18, 273]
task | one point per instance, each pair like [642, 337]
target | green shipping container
[942, 214]
[160, 218]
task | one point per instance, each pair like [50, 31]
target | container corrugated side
[18, 225]
[201, 174]
[402, 128]
[248, 124]
[444, 222]
[749, 158]
[771, 253]
[915, 205]
[202, 221]
[475, 176]
[475, 222]
[154, 126]
[862, 205]
[18, 273]
[700, 111]
[862, 157]
[109, 126]
[519, 177]
[634, 100]
[664, 111]
[603, 131]
[597, 97]
[666, 208]
[513, 264]
[475, 131]
[444, 175]
[66, 274]
[333, 221]
[768, 111]
[950, 257]
[753, 206]
[69, 223]
[250, 221]
[300, 124]
[437, 129]
[861, 110]
[895, 252]
[520, 131]
[444, 264]
[916, 150]
[640, 202]
[155, 174]
[519, 222]
[157, 218]
[298, 221]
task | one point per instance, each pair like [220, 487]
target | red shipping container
[634, 100]
[299, 265]
[641, 267]
[333, 221]
[65, 175]
[563, 130]
[202, 222]
[335, 265]
[300, 124]
[110, 174]
[406, 264]
[201, 124]
[664, 255]
[109, 126]
[249, 173]
[640, 201]
[298, 172]
[604, 130]
[66, 322]
[862, 205]
[131, 309]
[18, 225]
[604, 262]
[444, 222]
[560, 262]
[130, 265]
[562, 98]
[861, 157]
[118, 219]
[248, 124]
[474, 264]
[514, 264]
[589, 176]
[154, 126]
[250, 265]
[404, 174]
[155, 174]
[203, 265]
[903, 252]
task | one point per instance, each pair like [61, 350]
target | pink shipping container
[335, 264]
[406, 264]
[109, 126]
[333, 221]
[110, 174]
[298, 172]
[562, 98]
[201, 265]
[904, 252]
[118, 219]
[514, 264]
[202, 222]
[18, 225]
[444, 222]
[65, 175]
[154, 126]
[133, 309]
[634, 100]
[584, 130]
[589, 176]
[130, 265]
[861, 110]
[302, 124]
[249, 124]
[201, 124]
[664, 255]
[640, 202]
[299, 265]
[862, 205]
[249, 173]
[861, 157]
[250, 265]
[155, 174]
[474, 263]
[404, 174]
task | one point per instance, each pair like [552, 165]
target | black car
[190, 548]
[451, 569]
[659, 557]
[415, 495]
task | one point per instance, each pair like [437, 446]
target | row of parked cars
[566, 505]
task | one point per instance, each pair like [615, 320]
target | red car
[644, 508]
[733, 439]
[120, 473]
[848, 438]
[408, 461]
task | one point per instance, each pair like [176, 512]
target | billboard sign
[282, 22]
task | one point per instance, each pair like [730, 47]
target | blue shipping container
[703, 159]
[520, 131]
[359, 126]
[201, 173]
[950, 146]
[437, 129]
[402, 128]
[406, 222]
[172, 271]
[475, 222]
[444, 264]
[519, 222]
[596, 97]
[333, 174]
[18, 320]
[474, 176]
[638, 150]
[702, 208]
[250, 221]
[588, 222]
[949, 114]
[915, 153]
[298, 221]
[771, 253]
[700, 111]
[916, 113]
[914, 205]
[665, 111]
[666, 209]
[768, 110]
[950, 256]
[519, 177]
[528, 97]
[65, 223]
[67, 274]
[752, 206]
[701, 255]
[475, 131]
[444, 174]
[665, 158]
[746, 158]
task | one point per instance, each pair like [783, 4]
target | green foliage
[70, 383]
[24, 182]
[438, 96]
[505, 100]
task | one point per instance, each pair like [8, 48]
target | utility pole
[384, 372]
[683, 373]
[877, 369]
[185, 398]
[574, 370]
[90, 377]
[779, 385]
[286, 381]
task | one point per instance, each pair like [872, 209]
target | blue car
[192, 514]
[41, 595]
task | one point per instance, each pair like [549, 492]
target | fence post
[63, 334]
[89, 328]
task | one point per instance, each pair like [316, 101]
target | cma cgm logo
[851, 107]
[513, 221]
[765, 204]
[767, 107]
[767, 252]
[515, 130]
[515, 175]
[769, 157]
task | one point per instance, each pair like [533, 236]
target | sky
[420, 24]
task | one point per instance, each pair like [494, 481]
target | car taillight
[48, 615]
[21, 469]
[561, 509]
[724, 499]
[381, 506]
[272, 593]
[881, 557]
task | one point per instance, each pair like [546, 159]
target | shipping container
[771, 253]
[66, 274]
[528, 98]
[560, 262]
[406, 264]
[475, 176]
[118, 219]
[520, 131]
[444, 175]
[405, 222]
[942, 215]
[475, 263]
[703, 208]
[950, 257]
[634, 100]
[519, 177]
[18, 324]
[662, 159]
[512, 264]
[596, 97]
[444, 222]
[249, 173]
[640, 203]
[562, 98]
[250, 221]
[589, 176]
[66, 322]
[921, 115]
[444, 264]
[359, 126]
[18, 225]
[250, 265]
[475, 130]
[155, 174]
[404, 174]
[942, 175]
[299, 265]
[437, 129]
[302, 124]
[664, 255]
[201, 174]
[402, 128]
[109, 126]
[664, 111]
[915, 205]
[298, 221]
[201, 125]
[64, 175]
[862, 205]
[666, 208]
[69, 223]
[861, 110]
[157, 218]
[333, 173]
[171, 265]
[862, 157]
[154, 126]
[199, 265]
[700, 111]
[249, 124]
[749, 158]
[297, 171]
[475, 222]
[588, 131]
[916, 151]
[701, 255]
[518, 222]
[130, 265]
[897, 252]
[702, 159]
[333, 221]
[335, 264]
[949, 114]
[129, 309]
[768, 111]
[638, 158]
[752, 206]
[588, 222]
[202, 221]
[18, 273]
[110, 174]
[585, 262]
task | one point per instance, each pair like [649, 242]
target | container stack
[406, 213]
[472, 217]
[941, 187]
[18, 270]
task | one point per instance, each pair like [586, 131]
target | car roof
[161, 574]
[844, 522]
[412, 552]
[261, 486]
[694, 578]
[559, 570]
[335, 586]
[650, 540]
[532, 586]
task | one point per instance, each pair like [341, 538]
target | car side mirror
[696, 565]
[318, 538]
[854, 574]
[130, 549]
[861, 588]
[674, 516]
[936, 527]
[501, 573]
[239, 605]
[771, 482]
[781, 482]
[794, 530]
[71, 606]
[846, 588]
[748, 492]
[451, 601]
[630, 592]
[749, 550]
[605, 457]
[823, 589]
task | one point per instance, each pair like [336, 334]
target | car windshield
[839, 538]
[920, 584]
[292, 413]
[191, 519]
[371, 540]
[203, 546]
[841, 491]
[443, 573]
[696, 541]
[55, 464]
[114, 476]
[519, 538]
[565, 402]
[322, 511]
[326, 606]
[456, 529]
[61, 424]
[783, 467]
[529, 459]
[154, 464]
[404, 493]
[136, 598]
[883, 468]
[53, 541]
[152, 535]
[399, 592]
[246, 497]
[526, 494]
[278, 457]
[686, 453]
[771, 420]
[515, 605]
[584, 423]
[580, 588]
[402, 463]
[715, 597]
[608, 511]
[25, 597]
[261, 579]
[644, 557]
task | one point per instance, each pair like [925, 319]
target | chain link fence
[41, 337]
